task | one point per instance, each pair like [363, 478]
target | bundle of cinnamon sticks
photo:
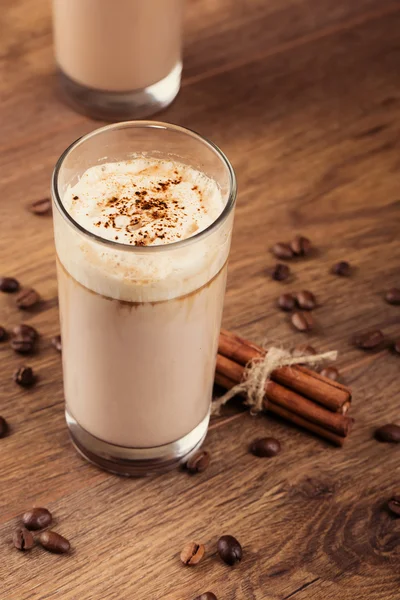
[294, 392]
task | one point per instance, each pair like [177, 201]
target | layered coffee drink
[119, 58]
[141, 296]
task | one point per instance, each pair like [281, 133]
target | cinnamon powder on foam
[144, 202]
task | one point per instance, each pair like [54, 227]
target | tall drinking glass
[140, 324]
[118, 59]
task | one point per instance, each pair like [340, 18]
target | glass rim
[145, 249]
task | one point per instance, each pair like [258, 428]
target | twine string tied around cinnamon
[257, 374]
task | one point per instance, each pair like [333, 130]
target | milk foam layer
[144, 202]
[138, 203]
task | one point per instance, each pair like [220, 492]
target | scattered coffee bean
[56, 341]
[369, 339]
[396, 346]
[54, 542]
[330, 373]
[393, 296]
[282, 250]
[27, 298]
[388, 433]
[229, 549]
[23, 539]
[301, 246]
[192, 553]
[206, 596]
[280, 272]
[306, 300]
[9, 285]
[25, 377]
[22, 344]
[37, 518]
[198, 462]
[3, 334]
[25, 330]
[3, 427]
[341, 268]
[41, 207]
[303, 350]
[265, 447]
[302, 321]
[394, 505]
[286, 302]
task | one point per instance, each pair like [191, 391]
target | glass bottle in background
[118, 59]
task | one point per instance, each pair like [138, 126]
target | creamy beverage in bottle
[140, 332]
[121, 47]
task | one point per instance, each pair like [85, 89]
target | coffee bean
[54, 542]
[265, 447]
[394, 505]
[206, 596]
[302, 321]
[282, 250]
[306, 300]
[280, 272]
[3, 334]
[369, 339]
[330, 373]
[303, 350]
[27, 298]
[23, 539]
[3, 427]
[37, 518]
[9, 285]
[192, 553]
[198, 462]
[56, 341]
[25, 330]
[25, 377]
[393, 296]
[286, 302]
[229, 549]
[388, 433]
[22, 344]
[396, 346]
[341, 268]
[41, 207]
[301, 246]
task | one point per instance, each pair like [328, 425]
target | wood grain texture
[303, 96]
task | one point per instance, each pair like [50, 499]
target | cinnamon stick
[290, 400]
[288, 415]
[331, 394]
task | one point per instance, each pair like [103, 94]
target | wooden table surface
[304, 98]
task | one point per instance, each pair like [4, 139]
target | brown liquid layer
[117, 46]
[139, 378]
